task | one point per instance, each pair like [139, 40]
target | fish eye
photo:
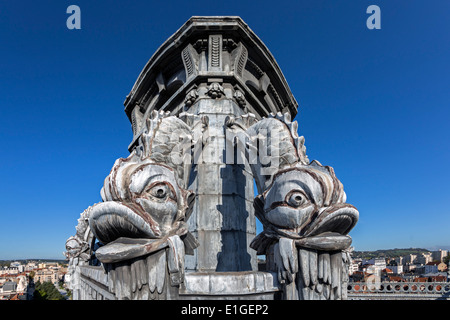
[296, 199]
[160, 191]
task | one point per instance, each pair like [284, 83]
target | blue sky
[373, 104]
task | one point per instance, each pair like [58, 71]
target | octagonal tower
[210, 70]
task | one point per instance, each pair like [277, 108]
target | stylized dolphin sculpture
[302, 207]
[141, 223]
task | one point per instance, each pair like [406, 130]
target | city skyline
[373, 104]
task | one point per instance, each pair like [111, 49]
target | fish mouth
[111, 220]
[337, 219]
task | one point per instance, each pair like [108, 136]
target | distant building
[30, 266]
[400, 261]
[410, 267]
[46, 275]
[397, 269]
[434, 267]
[420, 269]
[437, 278]
[14, 283]
[396, 266]
[7, 290]
[354, 267]
[9, 287]
[14, 287]
[387, 270]
[18, 265]
[378, 262]
[392, 278]
[358, 276]
[439, 255]
[409, 259]
[421, 279]
[9, 271]
[423, 258]
[374, 266]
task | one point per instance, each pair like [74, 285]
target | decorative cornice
[219, 33]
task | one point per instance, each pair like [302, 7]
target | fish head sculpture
[298, 199]
[140, 201]
[73, 247]
[306, 200]
[139, 232]
[145, 197]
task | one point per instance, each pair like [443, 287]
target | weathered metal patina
[211, 114]
[305, 218]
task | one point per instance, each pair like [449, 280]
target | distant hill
[388, 253]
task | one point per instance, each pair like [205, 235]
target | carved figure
[305, 218]
[144, 213]
[211, 89]
[79, 252]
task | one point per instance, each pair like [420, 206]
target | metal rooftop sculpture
[211, 113]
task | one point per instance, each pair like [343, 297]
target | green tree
[446, 260]
[47, 291]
